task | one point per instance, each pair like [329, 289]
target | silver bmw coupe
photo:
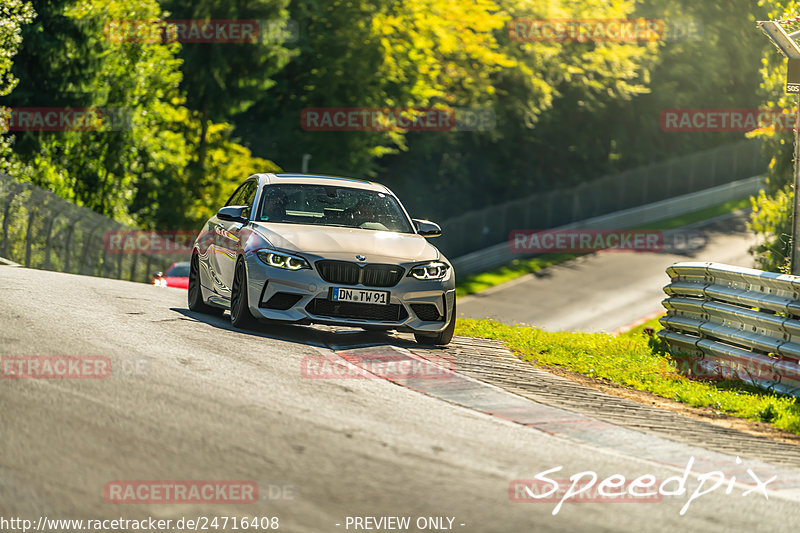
[308, 249]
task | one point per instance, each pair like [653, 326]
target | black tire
[240, 307]
[442, 338]
[195, 296]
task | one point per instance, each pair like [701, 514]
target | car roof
[314, 179]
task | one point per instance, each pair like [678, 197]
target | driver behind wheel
[275, 206]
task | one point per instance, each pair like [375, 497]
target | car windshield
[181, 270]
[320, 205]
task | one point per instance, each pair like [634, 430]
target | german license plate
[360, 296]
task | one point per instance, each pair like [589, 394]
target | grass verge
[699, 216]
[637, 362]
[475, 283]
[653, 324]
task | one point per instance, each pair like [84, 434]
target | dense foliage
[201, 116]
[772, 212]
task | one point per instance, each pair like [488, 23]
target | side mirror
[426, 228]
[233, 214]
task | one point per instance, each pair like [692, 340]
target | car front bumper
[412, 304]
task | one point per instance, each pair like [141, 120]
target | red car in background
[177, 276]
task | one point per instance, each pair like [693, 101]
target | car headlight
[435, 270]
[284, 261]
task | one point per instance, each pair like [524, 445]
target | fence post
[28, 240]
[14, 191]
[133, 267]
[120, 256]
[48, 239]
[526, 206]
[86, 243]
[645, 190]
[68, 247]
[576, 201]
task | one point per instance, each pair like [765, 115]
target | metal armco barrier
[736, 323]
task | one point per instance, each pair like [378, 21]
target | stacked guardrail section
[737, 323]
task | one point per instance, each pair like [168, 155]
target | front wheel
[196, 302]
[442, 338]
[240, 307]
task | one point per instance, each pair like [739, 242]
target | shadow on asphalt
[689, 241]
[333, 337]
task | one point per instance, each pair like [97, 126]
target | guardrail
[501, 254]
[735, 323]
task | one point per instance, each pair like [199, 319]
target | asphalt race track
[609, 290]
[198, 400]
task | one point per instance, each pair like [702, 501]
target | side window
[248, 197]
[234, 199]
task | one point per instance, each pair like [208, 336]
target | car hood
[345, 243]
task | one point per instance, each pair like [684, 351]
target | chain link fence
[483, 228]
[42, 230]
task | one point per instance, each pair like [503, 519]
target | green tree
[67, 60]
[572, 112]
[772, 212]
[134, 169]
[222, 79]
[710, 58]
[553, 110]
[13, 15]
[421, 53]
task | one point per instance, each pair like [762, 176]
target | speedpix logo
[586, 487]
